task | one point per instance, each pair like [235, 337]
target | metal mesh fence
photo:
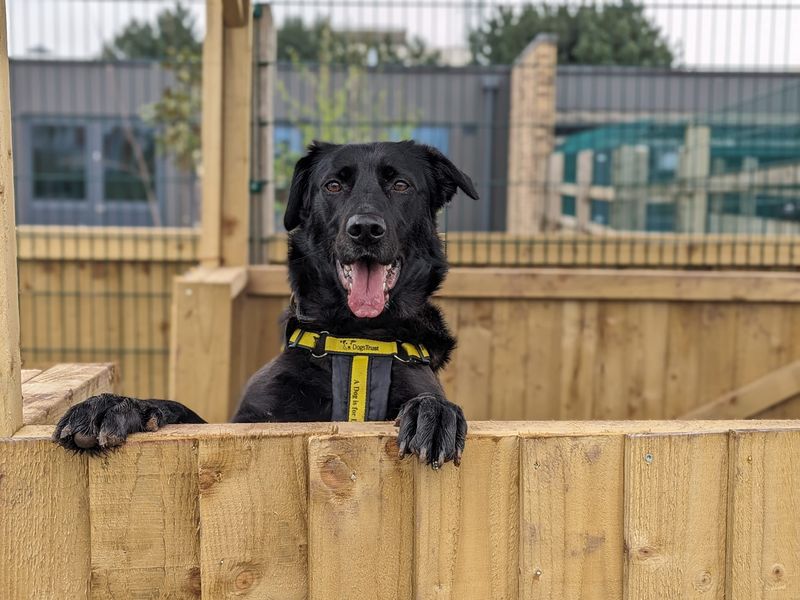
[657, 133]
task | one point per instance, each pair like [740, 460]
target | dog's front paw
[103, 422]
[433, 429]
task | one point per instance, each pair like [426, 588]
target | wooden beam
[162, 244]
[589, 284]
[49, 394]
[10, 377]
[236, 12]
[227, 99]
[759, 395]
[205, 341]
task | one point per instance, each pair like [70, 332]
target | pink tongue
[366, 298]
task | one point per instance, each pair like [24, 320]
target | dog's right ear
[299, 202]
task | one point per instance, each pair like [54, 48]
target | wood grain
[145, 520]
[10, 362]
[764, 530]
[360, 519]
[253, 510]
[675, 507]
[571, 519]
[466, 524]
[44, 529]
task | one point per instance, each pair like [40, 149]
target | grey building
[83, 154]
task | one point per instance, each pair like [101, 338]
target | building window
[660, 216]
[600, 212]
[601, 168]
[129, 162]
[438, 137]
[568, 206]
[570, 167]
[59, 162]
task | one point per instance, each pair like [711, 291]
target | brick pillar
[531, 134]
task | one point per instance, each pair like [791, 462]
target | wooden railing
[645, 510]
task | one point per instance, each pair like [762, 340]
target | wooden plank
[748, 400]
[578, 354]
[571, 532]
[202, 374]
[210, 248]
[466, 524]
[358, 485]
[47, 396]
[128, 244]
[145, 521]
[588, 284]
[260, 551]
[237, 104]
[28, 374]
[10, 362]
[473, 373]
[236, 12]
[764, 531]
[44, 529]
[675, 507]
[543, 324]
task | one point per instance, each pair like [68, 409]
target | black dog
[364, 259]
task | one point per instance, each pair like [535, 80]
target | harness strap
[361, 370]
[324, 343]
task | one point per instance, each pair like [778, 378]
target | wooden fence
[540, 343]
[644, 510]
[90, 294]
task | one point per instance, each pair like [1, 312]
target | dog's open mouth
[368, 284]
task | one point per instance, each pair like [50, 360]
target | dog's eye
[334, 187]
[400, 186]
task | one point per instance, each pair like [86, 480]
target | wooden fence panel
[764, 527]
[466, 524]
[145, 521]
[253, 506]
[44, 522]
[360, 519]
[675, 499]
[571, 531]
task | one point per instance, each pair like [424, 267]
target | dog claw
[401, 451]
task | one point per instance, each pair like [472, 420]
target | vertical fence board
[542, 364]
[466, 524]
[473, 379]
[253, 512]
[360, 517]
[764, 530]
[571, 538]
[675, 524]
[44, 522]
[144, 521]
[578, 350]
[508, 389]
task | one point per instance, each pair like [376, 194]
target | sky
[728, 34]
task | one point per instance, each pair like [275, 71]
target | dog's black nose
[366, 229]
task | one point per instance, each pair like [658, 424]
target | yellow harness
[360, 370]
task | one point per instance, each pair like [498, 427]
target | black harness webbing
[361, 370]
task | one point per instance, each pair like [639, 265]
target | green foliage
[300, 42]
[610, 34]
[347, 113]
[173, 31]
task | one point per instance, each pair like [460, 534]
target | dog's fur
[403, 183]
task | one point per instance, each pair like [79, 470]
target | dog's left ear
[298, 204]
[447, 178]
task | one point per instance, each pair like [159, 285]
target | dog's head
[363, 221]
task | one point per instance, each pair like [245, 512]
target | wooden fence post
[531, 136]
[10, 386]
[265, 116]
[227, 99]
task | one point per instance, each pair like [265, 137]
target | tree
[300, 42]
[610, 34]
[173, 31]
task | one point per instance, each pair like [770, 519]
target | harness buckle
[319, 346]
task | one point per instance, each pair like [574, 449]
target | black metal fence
[659, 133]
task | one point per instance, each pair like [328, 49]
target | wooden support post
[10, 377]
[531, 134]
[227, 98]
[583, 202]
[265, 121]
[694, 170]
[205, 341]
